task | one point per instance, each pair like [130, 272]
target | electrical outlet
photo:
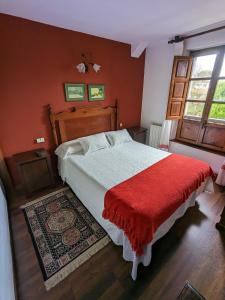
[40, 140]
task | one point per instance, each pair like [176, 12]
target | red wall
[36, 60]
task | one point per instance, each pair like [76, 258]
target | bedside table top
[137, 129]
[29, 156]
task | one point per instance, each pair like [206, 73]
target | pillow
[118, 137]
[94, 143]
[68, 148]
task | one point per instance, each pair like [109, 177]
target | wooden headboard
[82, 121]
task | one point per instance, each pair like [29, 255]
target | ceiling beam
[138, 49]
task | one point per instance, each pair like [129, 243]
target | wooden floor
[193, 250]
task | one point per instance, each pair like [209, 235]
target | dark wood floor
[193, 250]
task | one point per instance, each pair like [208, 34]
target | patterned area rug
[64, 234]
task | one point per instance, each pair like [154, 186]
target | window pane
[222, 72]
[193, 109]
[198, 89]
[220, 91]
[217, 112]
[203, 66]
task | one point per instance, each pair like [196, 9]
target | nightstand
[35, 169]
[138, 134]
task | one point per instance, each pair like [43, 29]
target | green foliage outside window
[220, 91]
[217, 109]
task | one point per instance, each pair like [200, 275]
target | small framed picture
[96, 92]
[74, 91]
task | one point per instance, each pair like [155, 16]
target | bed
[91, 176]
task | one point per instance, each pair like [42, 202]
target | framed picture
[96, 92]
[74, 91]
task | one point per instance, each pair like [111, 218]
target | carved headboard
[82, 121]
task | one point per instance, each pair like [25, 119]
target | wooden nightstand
[35, 170]
[138, 134]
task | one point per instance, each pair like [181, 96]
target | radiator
[154, 135]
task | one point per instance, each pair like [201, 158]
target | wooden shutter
[178, 87]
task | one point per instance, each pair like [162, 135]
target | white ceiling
[129, 21]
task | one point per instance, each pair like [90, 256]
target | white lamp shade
[81, 68]
[96, 67]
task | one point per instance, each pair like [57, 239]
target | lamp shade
[81, 68]
[96, 67]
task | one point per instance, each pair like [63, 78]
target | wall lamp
[84, 66]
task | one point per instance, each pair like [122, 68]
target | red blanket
[142, 203]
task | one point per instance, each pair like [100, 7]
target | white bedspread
[92, 175]
[111, 166]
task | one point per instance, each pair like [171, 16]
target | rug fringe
[63, 273]
[44, 197]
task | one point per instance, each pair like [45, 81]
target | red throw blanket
[142, 203]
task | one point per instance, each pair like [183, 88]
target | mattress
[90, 176]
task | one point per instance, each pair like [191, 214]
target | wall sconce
[83, 67]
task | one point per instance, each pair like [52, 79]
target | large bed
[91, 176]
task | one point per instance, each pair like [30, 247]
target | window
[201, 99]
[203, 83]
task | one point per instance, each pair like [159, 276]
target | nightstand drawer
[141, 137]
[138, 134]
[36, 175]
[35, 170]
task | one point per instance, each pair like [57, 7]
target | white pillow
[68, 148]
[94, 143]
[118, 137]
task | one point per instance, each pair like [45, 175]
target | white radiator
[154, 135]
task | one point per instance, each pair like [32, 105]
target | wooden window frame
[200, 131]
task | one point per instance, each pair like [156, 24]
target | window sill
[221, 153]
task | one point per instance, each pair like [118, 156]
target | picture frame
[74, 91]
[96, 92]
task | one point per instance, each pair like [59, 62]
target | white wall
[209, 40]
[158, 68]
